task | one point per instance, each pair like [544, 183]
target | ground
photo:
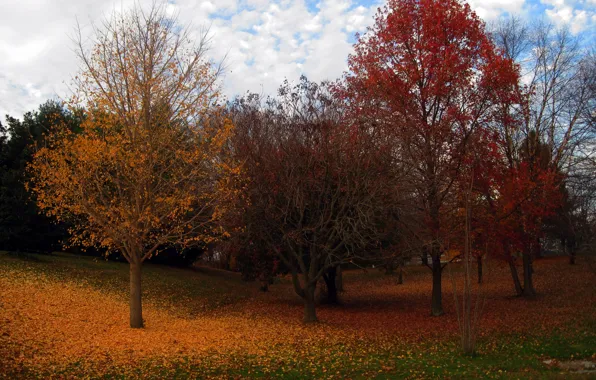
[64, 316]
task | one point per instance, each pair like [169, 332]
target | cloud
[491, 9]
[579, 15]
[36, 49]
[264, 41]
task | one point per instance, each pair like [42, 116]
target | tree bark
[479, 261]
[400, 276]
[436, 302]
[310, 314]
[570, 250]
[528, 290]
[264, 280]
[389, 268]
[264, 286]
[514, 275]
[339, 279]
[537, 251]
[136, 310]
[296, 283]
[330, 281]
[424, 257]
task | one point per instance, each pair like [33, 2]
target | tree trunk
[310, 314]
[528, 285]
[518, 288]
[264, 280]
[389, 268]
[571, 250]
[136, 310]
[479, 261]
[330, 282]
[436, 303]
[264, 286]
[425, 257]
[400, 276]
[296, 283]
[537, 251]
[339, 279]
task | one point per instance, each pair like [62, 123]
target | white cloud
[36, 50]
[491, 9]
[265, 41]
[579, 15]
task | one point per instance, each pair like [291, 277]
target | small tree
[146, 170]
[469, 311]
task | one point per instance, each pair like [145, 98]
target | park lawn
[65, 316]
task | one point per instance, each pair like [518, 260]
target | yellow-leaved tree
[149, 166]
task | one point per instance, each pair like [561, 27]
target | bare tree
[470, 309]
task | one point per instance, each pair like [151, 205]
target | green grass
[515, 359]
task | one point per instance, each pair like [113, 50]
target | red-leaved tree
[429, 76]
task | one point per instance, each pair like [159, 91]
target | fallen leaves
[51, 324]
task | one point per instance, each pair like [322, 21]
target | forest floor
[65, 316]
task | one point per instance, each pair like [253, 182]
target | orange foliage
[147, 168]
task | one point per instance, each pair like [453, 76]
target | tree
[555, 122]
[428, 74]
[148, 168]
[256, 260]
[467, 317]
[316, 182]
[559, 94]
[393, 246]
[22, 226]
[512, 202]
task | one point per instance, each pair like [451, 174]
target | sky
[264, 42]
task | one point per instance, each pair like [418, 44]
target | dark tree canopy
[22, 226]
[315, 181]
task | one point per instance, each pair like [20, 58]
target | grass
[64, 316]
[176, 288]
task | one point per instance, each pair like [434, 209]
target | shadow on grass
[25, 256]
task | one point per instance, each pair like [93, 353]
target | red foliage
[429, 75]
[511, 201]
